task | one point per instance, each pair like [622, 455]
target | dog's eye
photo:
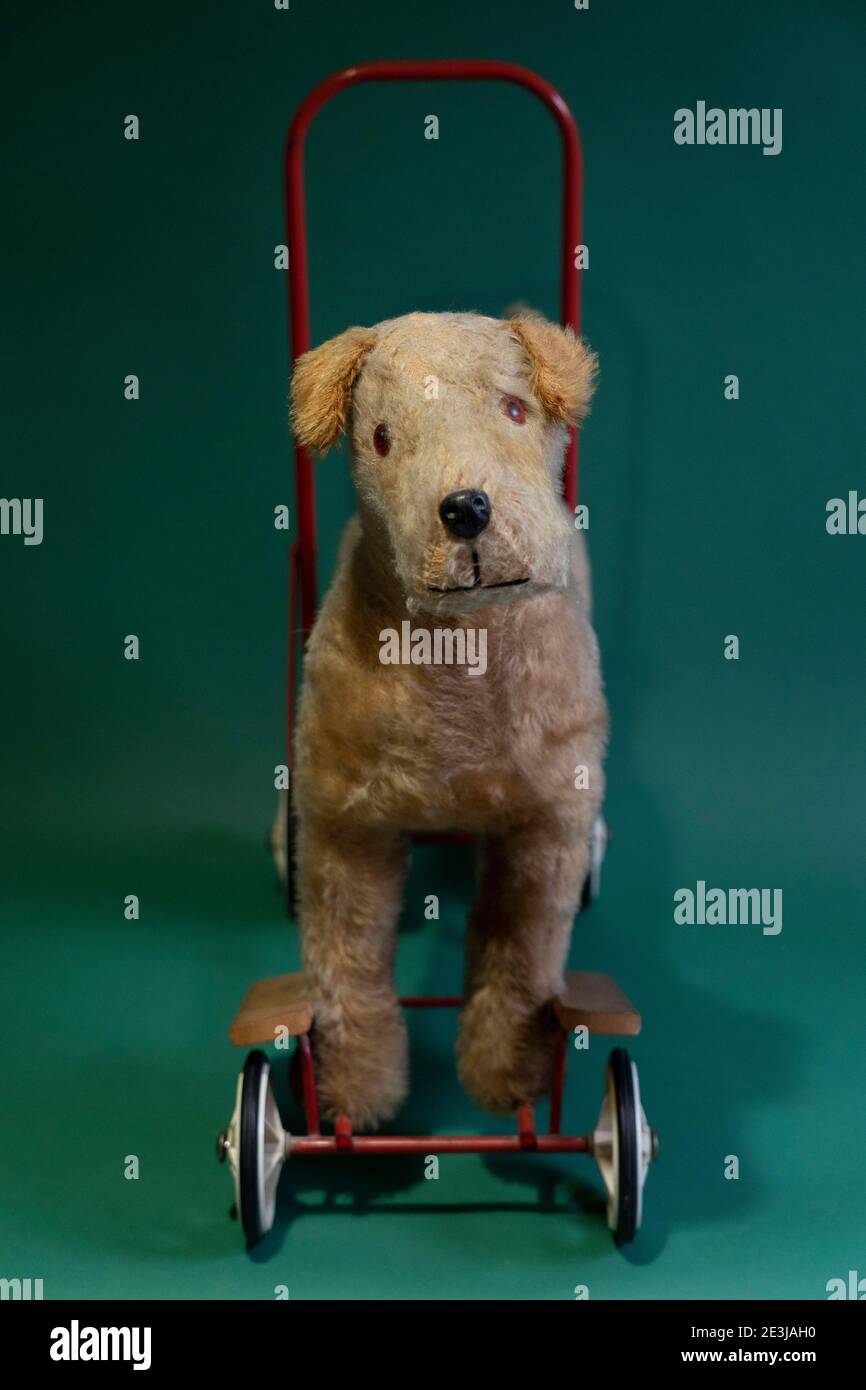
[514, 409]
[381, 439]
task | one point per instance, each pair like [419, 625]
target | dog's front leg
[350, 883]
[529, 888]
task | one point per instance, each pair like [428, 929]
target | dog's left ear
[322, 387]
[562, 370]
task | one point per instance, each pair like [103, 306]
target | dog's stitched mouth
[476, 582]
[467, 588]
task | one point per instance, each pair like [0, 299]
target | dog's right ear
[322, 387]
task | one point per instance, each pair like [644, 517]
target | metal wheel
[623, 1145]
[255, 1146]
[598, 842]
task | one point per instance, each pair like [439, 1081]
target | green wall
[707, 518]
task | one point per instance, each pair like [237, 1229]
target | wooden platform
[590, 1000]
[281, 1002]
[596, 1002]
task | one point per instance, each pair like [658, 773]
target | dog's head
[459, 427]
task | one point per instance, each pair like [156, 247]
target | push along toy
[255, 1143]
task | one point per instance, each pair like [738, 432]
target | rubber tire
[619, 1064]
[248, 1159]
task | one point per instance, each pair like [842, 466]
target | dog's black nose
[465, 513]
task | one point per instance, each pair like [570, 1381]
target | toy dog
[458, 428]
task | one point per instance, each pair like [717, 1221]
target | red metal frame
[446, 70]
[526, 1140]
[302, 581]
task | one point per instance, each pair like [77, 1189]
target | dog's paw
[362, 1072]
[505, 1058]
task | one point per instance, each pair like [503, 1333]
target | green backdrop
[707, 518]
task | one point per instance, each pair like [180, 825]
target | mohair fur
[385, 749]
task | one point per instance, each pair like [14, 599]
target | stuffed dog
[458, 427]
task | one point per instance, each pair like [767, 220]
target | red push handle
[299, 304]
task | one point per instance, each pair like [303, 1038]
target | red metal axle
[437, 1144]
